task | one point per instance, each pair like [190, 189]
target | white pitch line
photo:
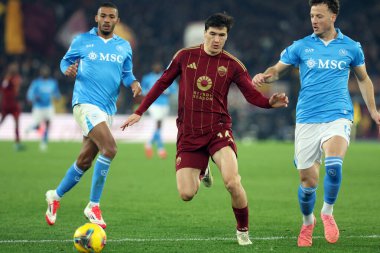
[182, 239]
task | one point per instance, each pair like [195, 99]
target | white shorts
[310, 137]
[42, 114]
[158, 112]
[88, 116]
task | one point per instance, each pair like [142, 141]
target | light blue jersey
[324, 72]
[42, 91]
[147, 83]
[103, 64]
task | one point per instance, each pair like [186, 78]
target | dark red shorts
[13, 109]
[194, 150]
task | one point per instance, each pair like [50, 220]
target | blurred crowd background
[36, 33]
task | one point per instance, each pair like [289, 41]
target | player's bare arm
[72, 70]
[270, 75]
[136, 88]
[367, 91]
[131, 120]
[278, 100]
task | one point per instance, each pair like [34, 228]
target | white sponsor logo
[90, 45]
[111, 57]
[309, 50]
[333, 64]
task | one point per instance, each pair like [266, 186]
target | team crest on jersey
[222, 71]
[92, 56]
[119, 48]
[342, 52]
[204, 83]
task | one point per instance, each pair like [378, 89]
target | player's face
[107, 18]
[322, 20]
[214, 40]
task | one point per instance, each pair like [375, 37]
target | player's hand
[72, 70]
[278, 100]
[134, 118]
[136, 88]
[260, 79]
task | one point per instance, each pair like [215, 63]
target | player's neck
[329, 35]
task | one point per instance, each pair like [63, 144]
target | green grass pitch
[143, 212]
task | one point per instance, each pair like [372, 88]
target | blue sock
[99, 177]
[306, 198]
[333, 178]
[72, 177]
[160, 144]
[45, 138]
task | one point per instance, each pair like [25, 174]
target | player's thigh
[307, 146]
[226, 161]
[336, 137]
[102, 136]
[188, 180]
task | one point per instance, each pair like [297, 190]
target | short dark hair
[333, 5]
[219, 20]
[109, 5]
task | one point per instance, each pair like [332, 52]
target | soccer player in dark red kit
[9, 89]
[204, 124]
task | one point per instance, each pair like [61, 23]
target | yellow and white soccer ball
[90, 238]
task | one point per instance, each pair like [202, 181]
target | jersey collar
[339, 36]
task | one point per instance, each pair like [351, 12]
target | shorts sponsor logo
[178, 161]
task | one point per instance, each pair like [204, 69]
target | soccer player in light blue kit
[159, 110]
[41, 93]
[324, 110]
[100, 61]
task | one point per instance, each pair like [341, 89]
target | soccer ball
[90, 238]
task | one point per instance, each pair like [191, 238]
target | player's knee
[309, 182]
[110, 151]
[233, 184]
[186, 195]
[84, 163]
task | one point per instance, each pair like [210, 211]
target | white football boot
[94, 215]
[243, 238]
[52, 200]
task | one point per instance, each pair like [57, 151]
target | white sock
[327, 208]
[308, 219]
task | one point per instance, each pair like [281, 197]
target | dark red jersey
[203, 89]
[10, 88]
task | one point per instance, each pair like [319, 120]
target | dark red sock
[241, 215]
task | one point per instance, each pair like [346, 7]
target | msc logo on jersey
[326, 64]
[106, 57]
[204, 83]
